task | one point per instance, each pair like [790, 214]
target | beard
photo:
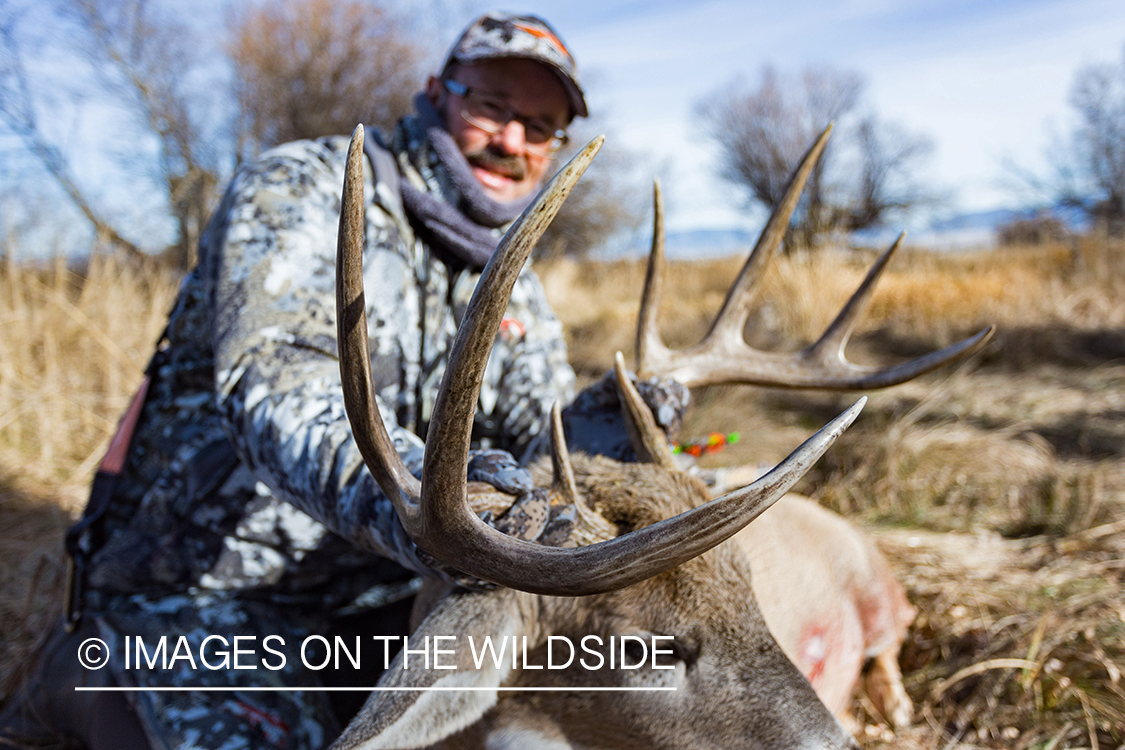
[513, 166]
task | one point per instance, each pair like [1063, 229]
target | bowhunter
[234, 501]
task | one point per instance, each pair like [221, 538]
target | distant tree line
[865, 177]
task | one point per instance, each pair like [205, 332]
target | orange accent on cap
[542, 33]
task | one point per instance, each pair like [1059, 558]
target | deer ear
[411, 716]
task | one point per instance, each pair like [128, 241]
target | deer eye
[669, 652]
[635, 651]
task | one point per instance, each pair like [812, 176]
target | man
[242, 508]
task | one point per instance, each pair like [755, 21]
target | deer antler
[650, 443]
[436, 512]
[724, 357]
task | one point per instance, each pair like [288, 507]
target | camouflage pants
[210, 671]
[160, 643]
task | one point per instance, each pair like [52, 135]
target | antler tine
[445, 511]
[654, 549]
[856, 378]
[648, 341]
[591, 526]
[370, 434]
[835, 337]
[760, 495]
[728, 324]
[838, 372]
[562, 471]
[649, 441]
[442, 523]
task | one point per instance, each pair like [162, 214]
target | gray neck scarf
[456, 214]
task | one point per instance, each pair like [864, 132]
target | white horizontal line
[229, 689]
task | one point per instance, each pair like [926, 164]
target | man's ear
[413, 718]
[434, 91]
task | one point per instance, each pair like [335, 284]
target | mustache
[514, 166]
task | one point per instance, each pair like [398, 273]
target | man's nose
[512, 138]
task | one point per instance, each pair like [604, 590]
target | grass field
[996, 487]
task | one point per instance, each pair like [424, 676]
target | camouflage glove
[499, 469]
[594, 422]
[502, 493]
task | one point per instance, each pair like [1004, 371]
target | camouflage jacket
[243, 473]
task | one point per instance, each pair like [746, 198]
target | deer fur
[652, 554]
[832, 602]
[735, 685]
[847, 623]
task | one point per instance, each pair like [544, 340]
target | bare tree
[308, 68]
[302, 68]
[884, 185]
[1035, 229]
[762, 133]
[17, 111]
[146, 63]
[1091, 172]
[151, 61]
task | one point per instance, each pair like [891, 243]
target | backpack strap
[82, 539]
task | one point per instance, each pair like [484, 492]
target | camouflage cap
[498, 35]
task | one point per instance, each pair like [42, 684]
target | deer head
[647, 556]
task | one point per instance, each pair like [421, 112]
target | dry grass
[996, 489]
[73, 347]
[1019, 644]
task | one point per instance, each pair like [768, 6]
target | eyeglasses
[492, 115]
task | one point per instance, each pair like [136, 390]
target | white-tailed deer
[647, 556]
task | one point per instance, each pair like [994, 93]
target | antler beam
[436, 513]
[724, 357]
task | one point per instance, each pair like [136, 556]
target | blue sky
[986, 81]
